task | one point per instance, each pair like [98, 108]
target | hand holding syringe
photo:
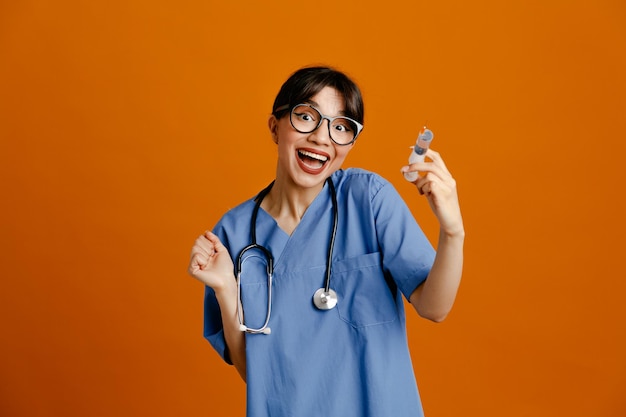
[424, 139]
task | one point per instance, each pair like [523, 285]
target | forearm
[435, 297]
[235, 338]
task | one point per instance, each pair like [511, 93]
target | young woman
[316, 325]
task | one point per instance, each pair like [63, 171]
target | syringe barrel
[419, 150]
[423, 142]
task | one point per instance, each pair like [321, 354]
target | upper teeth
[314, 156]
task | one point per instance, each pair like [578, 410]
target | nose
[322, 133]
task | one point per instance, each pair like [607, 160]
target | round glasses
[306, 119]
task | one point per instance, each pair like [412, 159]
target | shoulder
[358, 179]
[236, 212]
[360, 182]
[235, 222]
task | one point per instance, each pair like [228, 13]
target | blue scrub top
[352, 360]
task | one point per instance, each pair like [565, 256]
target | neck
[287, 203]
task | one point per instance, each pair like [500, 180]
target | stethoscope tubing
[269, 259]
[324, 298]
[331, 244]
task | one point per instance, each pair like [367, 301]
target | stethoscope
[324, 298]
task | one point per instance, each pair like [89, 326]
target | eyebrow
[312, 102]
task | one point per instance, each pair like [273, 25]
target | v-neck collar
[280, 242]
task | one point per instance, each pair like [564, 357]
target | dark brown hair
[307, 82]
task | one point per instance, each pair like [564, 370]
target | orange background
[128, 127]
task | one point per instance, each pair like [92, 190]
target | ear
[272, 123]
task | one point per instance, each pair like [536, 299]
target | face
[307, 159]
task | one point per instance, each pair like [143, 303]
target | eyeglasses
[306, 119]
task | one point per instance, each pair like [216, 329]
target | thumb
[215, 241]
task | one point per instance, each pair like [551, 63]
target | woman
[345, 236]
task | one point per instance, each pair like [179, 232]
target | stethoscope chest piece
[325, 300]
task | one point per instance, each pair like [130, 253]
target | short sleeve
[407, 254]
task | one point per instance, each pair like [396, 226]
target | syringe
[419, 150]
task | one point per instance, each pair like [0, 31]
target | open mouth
[311, 160]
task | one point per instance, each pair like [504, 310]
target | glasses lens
[343, 130]
[305, 119]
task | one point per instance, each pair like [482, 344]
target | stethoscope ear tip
[244, 328]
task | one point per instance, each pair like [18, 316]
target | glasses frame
[359, 126]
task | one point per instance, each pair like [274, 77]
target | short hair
[308, 81]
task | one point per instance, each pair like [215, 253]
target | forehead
[329, 101]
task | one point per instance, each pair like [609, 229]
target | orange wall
[128, 127]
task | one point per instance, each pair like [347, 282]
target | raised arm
[434, 298]
[212, 265]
